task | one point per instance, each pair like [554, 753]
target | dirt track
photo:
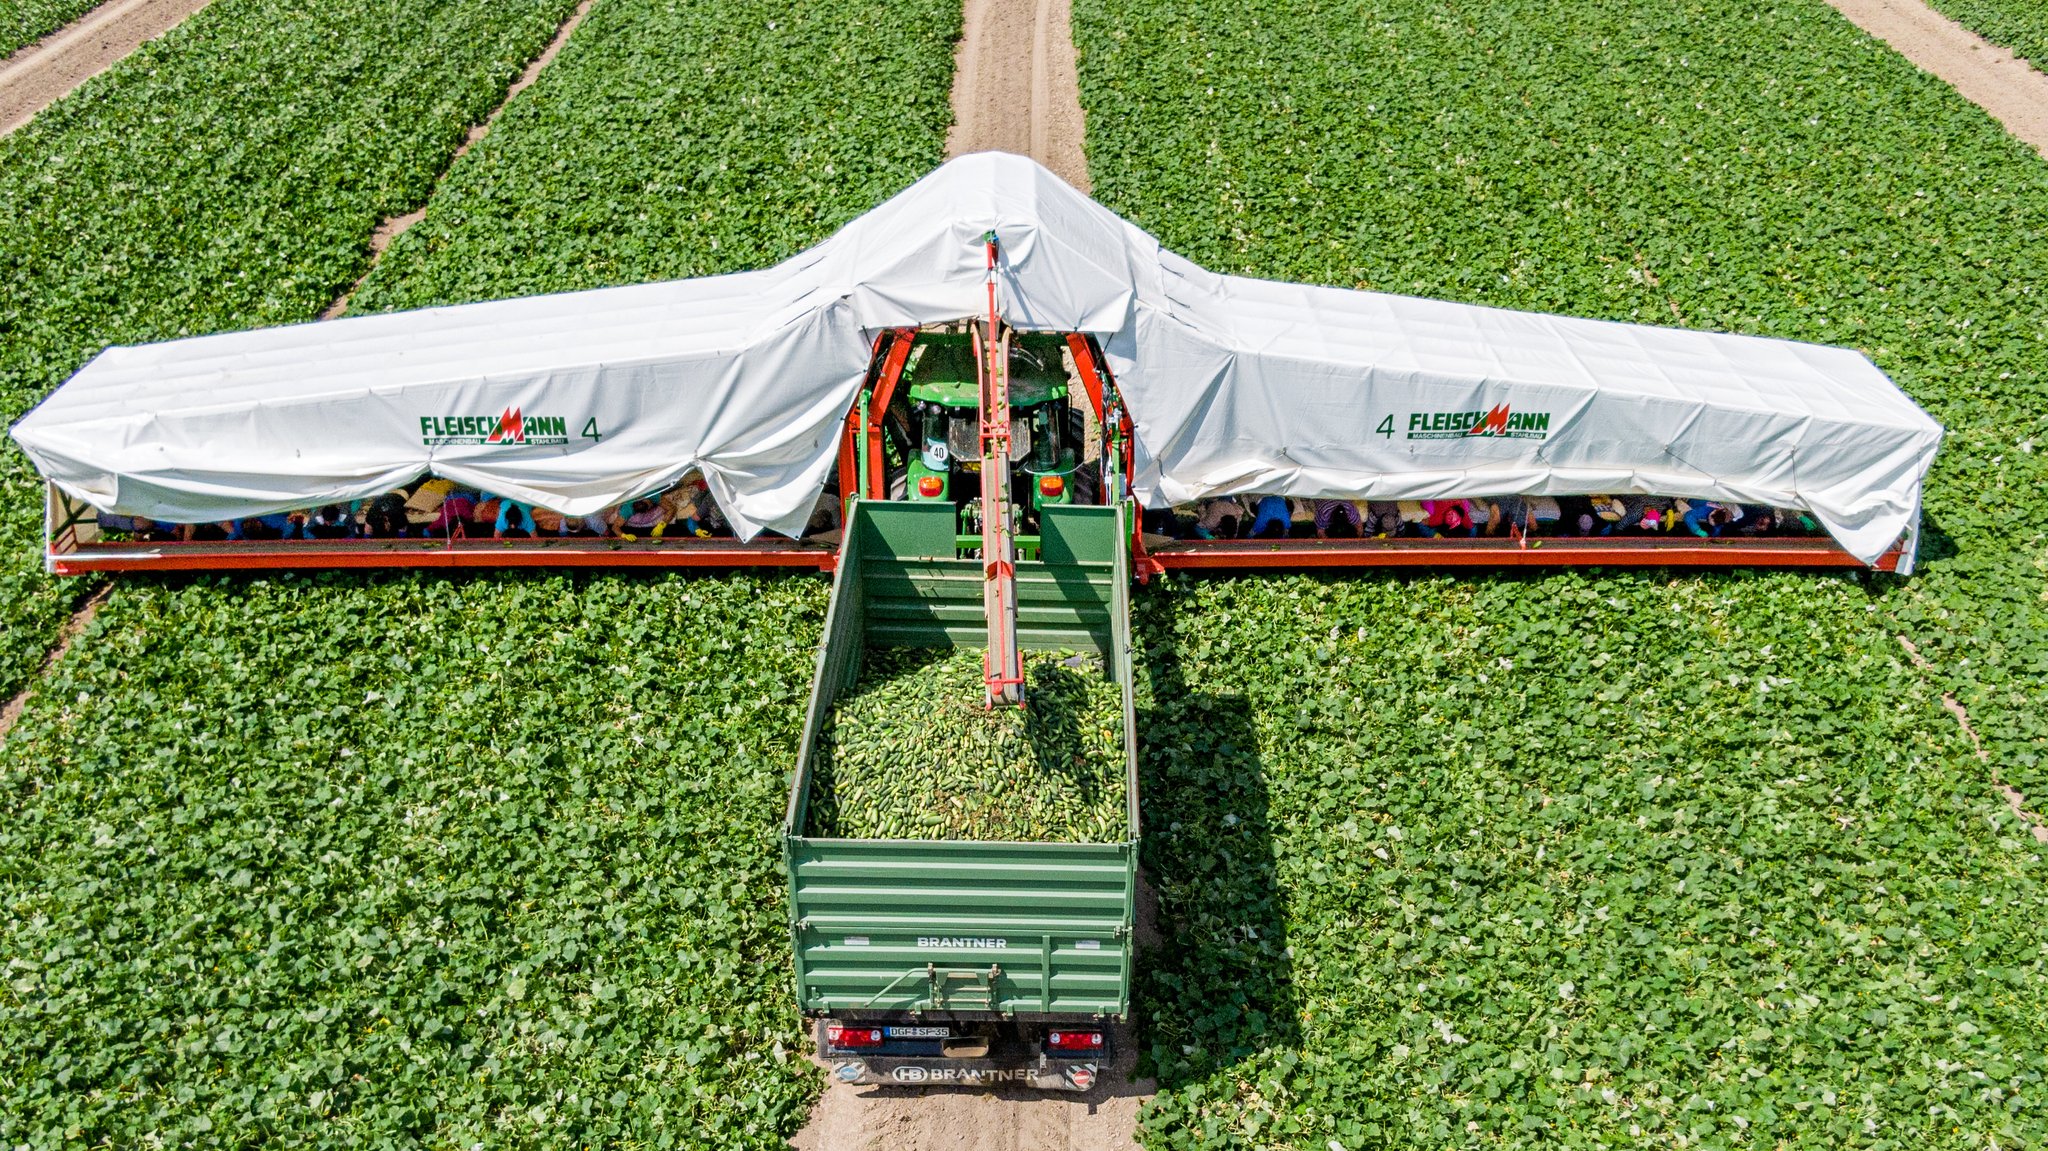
[946, 1119]
[31, 79]
[1015, 88]
[1987, 75]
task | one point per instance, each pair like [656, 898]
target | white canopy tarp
[583, 400]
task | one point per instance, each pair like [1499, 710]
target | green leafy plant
[23, 22]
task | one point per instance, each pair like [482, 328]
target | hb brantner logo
[507, 428]
[916, 1074]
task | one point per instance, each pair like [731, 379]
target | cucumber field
[1585, 857]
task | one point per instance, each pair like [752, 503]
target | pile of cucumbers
[911, 752]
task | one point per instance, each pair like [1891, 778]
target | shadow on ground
[1217, 985]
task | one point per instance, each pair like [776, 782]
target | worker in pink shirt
[1448, 518]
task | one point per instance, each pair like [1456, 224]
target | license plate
[918, 1032]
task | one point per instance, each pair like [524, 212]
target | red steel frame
[480, 553]
[1205, 556]
[64, 554]
[897, 343]
[1636, 551]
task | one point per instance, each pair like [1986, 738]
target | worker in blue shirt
[514, 519]
[1271, 514]
[1704, 519]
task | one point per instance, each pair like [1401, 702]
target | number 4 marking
[590, 431]
[1386, 427]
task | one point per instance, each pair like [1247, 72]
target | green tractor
[941, 415]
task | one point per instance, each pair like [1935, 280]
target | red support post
[1095, 380]
[849, 462]
[1091, 380]
[893, 363]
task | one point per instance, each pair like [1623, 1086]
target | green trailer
[935, 961]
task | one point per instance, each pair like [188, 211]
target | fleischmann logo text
[510, 427]
[1499, 421]
[959, 941]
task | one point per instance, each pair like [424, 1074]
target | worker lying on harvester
[1276, 517]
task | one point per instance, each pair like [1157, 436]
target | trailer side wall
[949, 927]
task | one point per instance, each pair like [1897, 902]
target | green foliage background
[2021, 25]
[675, 140]
[1858, 932]
[226, 175]
[1749, 168]
[1578, 860]
[365, 863]
[24, 22]
[1575, 858]
[306, 877]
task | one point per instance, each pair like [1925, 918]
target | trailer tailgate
[949, 926]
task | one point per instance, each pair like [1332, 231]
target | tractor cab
[936, 424]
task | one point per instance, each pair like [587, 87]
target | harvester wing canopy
[574, 402]
[1254, 386]
[1233, 385]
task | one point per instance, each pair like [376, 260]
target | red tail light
[1074, 1041]
[930, 486]
[839, 1036]
[1051, 485]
